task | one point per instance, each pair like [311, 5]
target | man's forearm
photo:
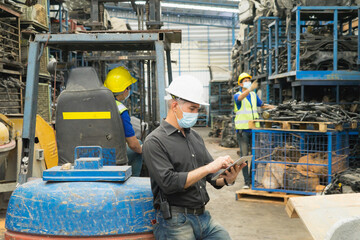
[267, 106]
[201, 172]
[196, 175]
[134, 144]
[220, 182]
[243, 95]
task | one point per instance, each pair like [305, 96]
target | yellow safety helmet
[118, 79]
[242, 76]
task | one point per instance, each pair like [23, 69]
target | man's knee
[218, 232]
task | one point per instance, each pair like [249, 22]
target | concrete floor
[243, 220]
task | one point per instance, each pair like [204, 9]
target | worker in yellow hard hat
[245, 108]
[119, 81]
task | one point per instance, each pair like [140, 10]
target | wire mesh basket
[297, 162]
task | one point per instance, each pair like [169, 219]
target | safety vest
[121, 107]
[246, 112]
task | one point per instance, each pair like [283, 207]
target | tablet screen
[238, 162]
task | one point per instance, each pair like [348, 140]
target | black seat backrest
[87, 115]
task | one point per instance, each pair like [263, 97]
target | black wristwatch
[226, 183]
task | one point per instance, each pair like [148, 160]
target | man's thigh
[212, 229]
[176, 228]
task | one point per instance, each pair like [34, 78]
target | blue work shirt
[248, 97]
[128, 128]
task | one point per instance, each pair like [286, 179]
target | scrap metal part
[318, 112]
[250, 10]
[345, 182]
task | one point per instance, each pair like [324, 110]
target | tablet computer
[238, 162]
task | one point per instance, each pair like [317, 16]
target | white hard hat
[188, 88]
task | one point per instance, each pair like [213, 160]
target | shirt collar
[170, 129]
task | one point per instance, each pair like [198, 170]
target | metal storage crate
[297, 162]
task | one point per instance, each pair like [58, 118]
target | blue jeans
[244, 139]
[135, 160]
[184, 226]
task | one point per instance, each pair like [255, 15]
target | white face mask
[188, 120]
[247, 85]
[127, 96]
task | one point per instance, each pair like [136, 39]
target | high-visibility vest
[246, 112]
[121, 107]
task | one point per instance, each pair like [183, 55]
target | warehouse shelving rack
[256, 46]
[220, 100]
[263, 40]
[11, 100]
[218, 92]
[202, 120]
[299, 78]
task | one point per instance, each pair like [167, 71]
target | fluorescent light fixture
[197, 7]
[194, 7]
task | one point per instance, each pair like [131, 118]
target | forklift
[93, 197]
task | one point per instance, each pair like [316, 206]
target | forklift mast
[157, 42]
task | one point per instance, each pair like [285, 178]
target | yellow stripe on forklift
[86, 115]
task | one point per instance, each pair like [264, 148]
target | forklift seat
[87, 115]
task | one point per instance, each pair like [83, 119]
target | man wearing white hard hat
[180, 165]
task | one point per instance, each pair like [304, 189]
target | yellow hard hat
[242, 76]
[119, 79]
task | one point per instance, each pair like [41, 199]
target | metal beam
[317, 8]
[335, 62]
[93, 38]
[30, 110]
[169, 70]
[120, 58]
[298, 26]
[160, 77]
[111, 41]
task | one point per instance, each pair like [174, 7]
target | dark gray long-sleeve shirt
[169, 157]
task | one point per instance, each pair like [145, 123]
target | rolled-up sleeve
[208, 159]
[161, 169]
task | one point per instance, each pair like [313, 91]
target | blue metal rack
[354, 148]
[261, 45]
[299, 78]
[61, 14]
[202, 120]
[297, 162]
[220, 99]
[256, 45]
